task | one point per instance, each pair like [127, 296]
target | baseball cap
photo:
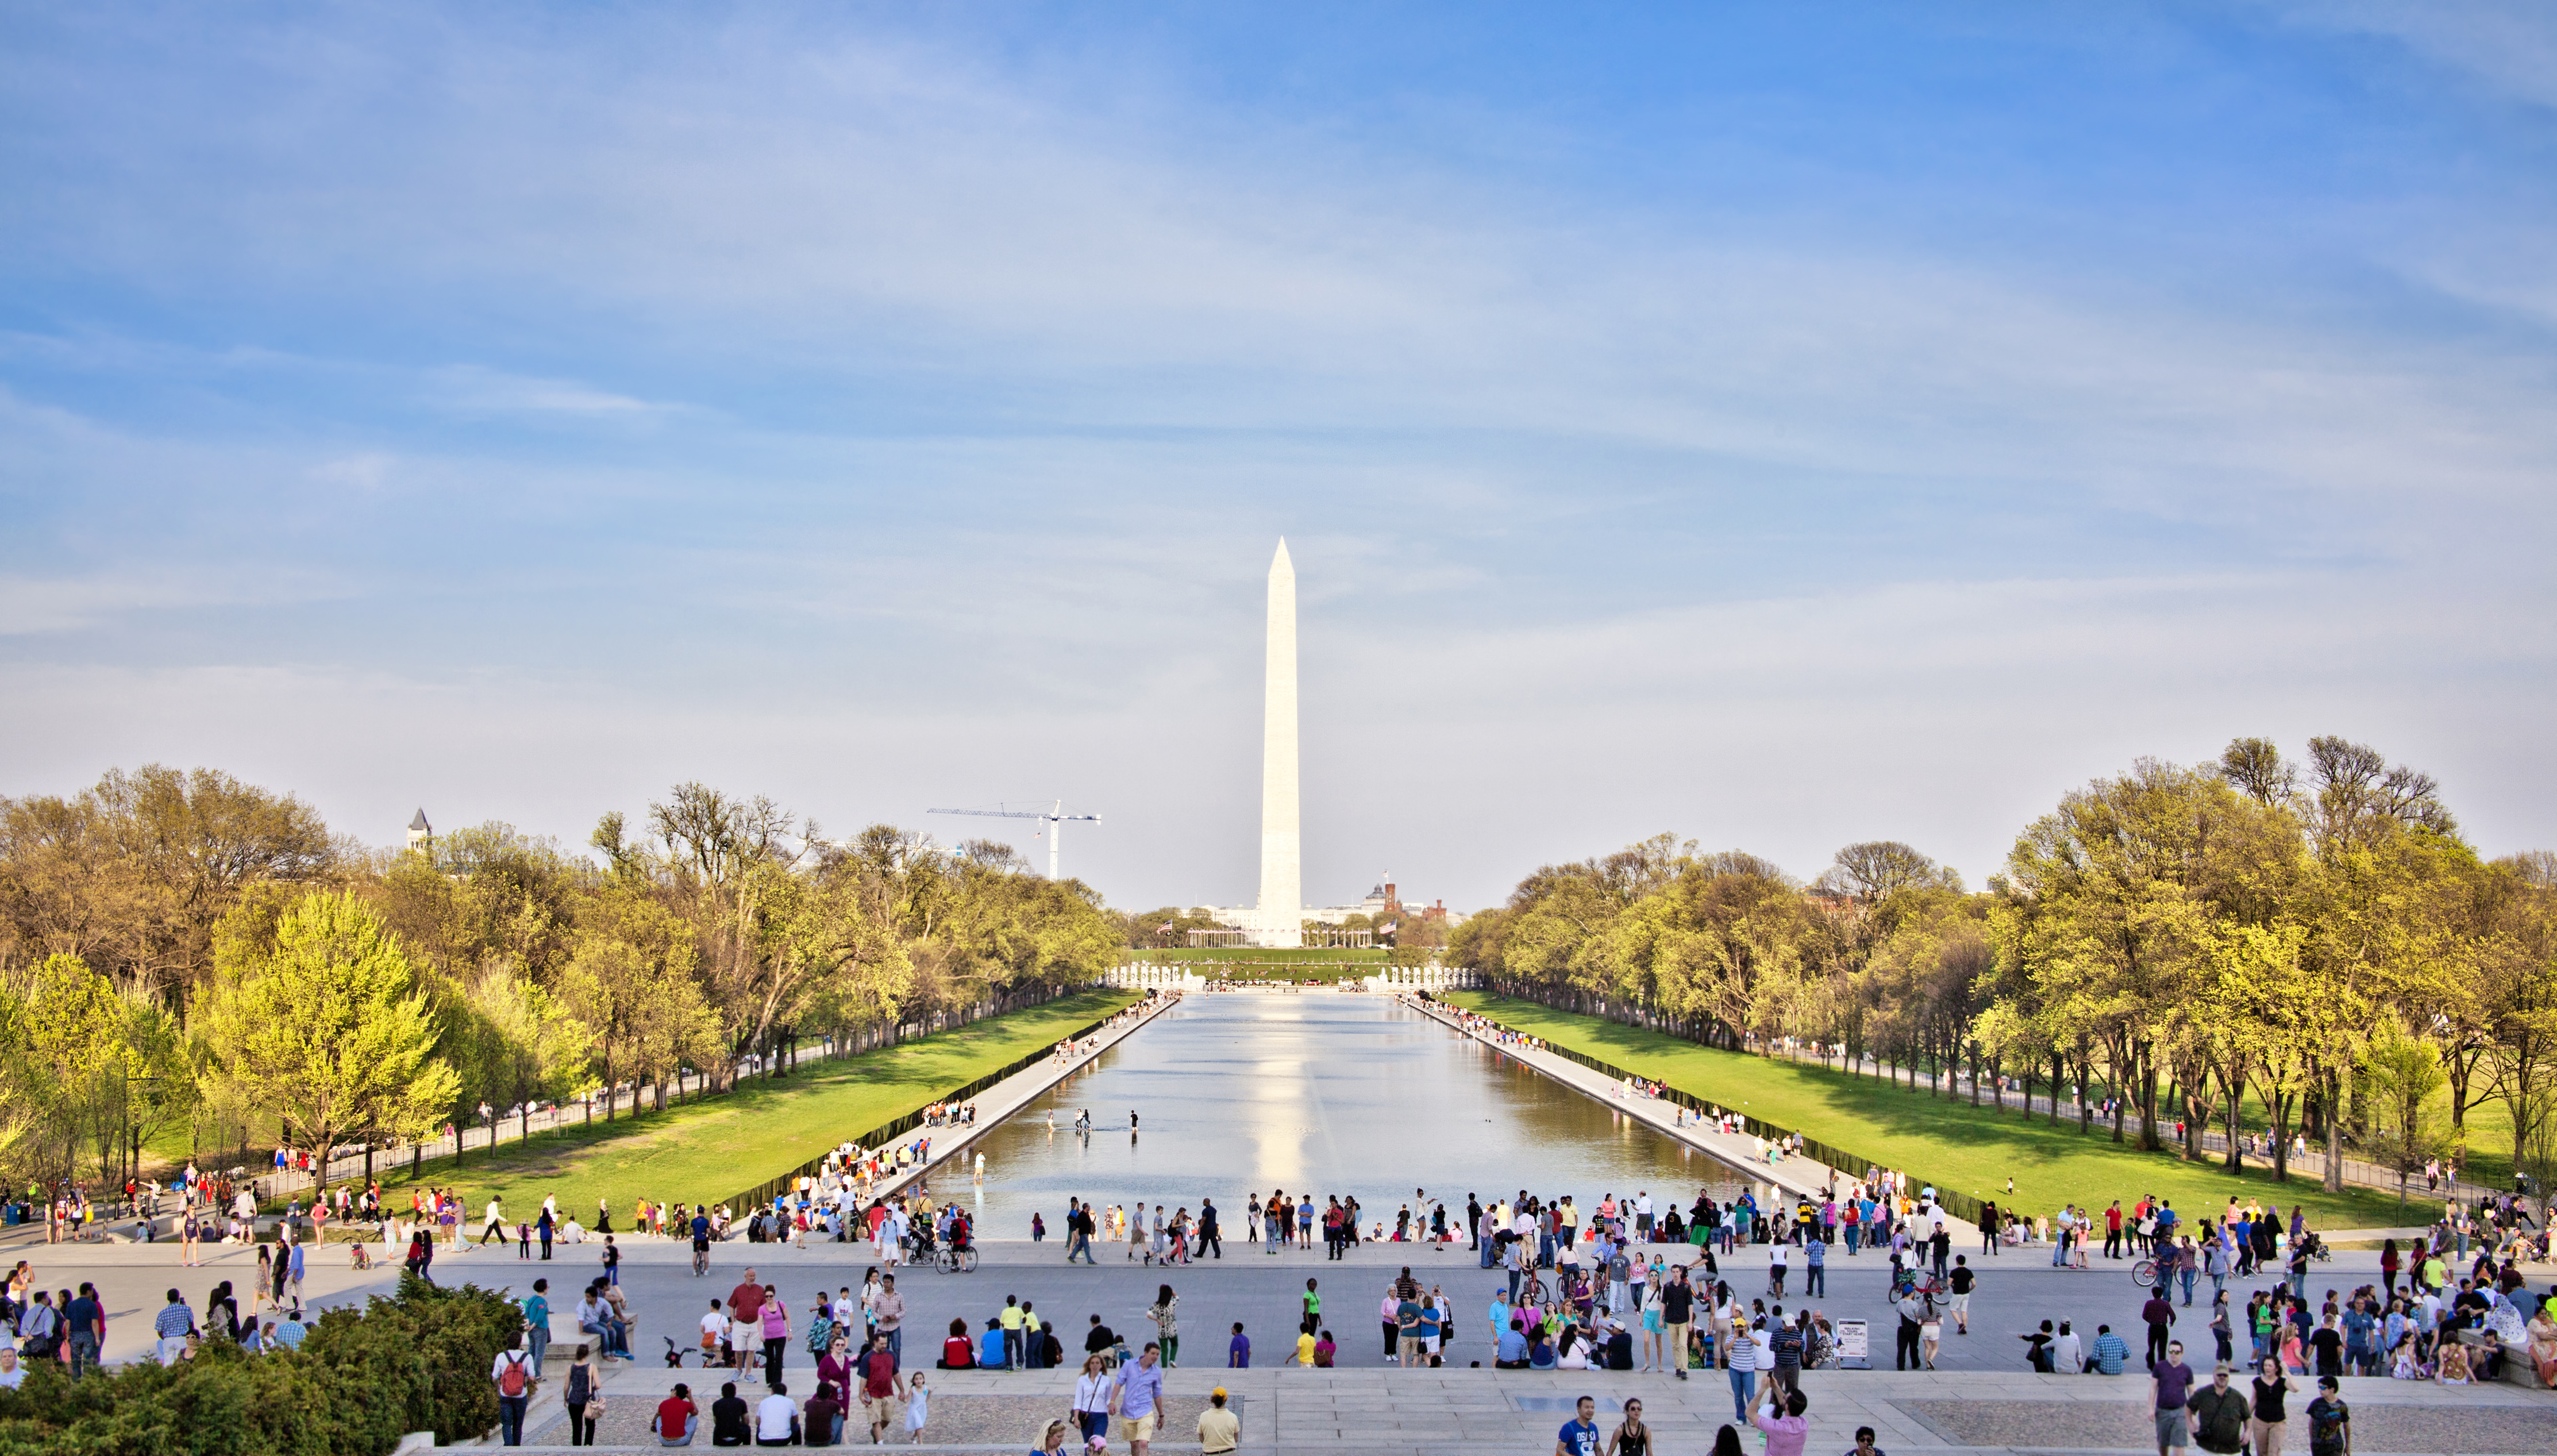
[1219, 1390]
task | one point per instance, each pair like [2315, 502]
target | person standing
[1816, 1266]
[1962, 1281]
[84, 1329]
[1905, 1354]
[1208, 1242]
[2113, 1230]
[1989, 1228]
[2170, 1389]
[537, 1324]
[1219, 1430]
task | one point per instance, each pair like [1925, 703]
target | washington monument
[1279, 917]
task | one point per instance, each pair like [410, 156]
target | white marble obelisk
[1283, 901]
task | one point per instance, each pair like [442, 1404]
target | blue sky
[1785, 425]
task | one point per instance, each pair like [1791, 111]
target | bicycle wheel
[2144, 1273]
[968, 1260]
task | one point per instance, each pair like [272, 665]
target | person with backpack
[513, 1375]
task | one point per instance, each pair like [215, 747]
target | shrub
[415, 1361]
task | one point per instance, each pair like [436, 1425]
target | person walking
[582, 1395]
[2218, 1414]
[1208, 1242]
[1678, 1310]
[1905, 1354]
[2270, 1386]
[1962, 1282]
[1167, 1326]
[2159, 1313]
[2170, 1388]
[513, 1376]
[1137, 1399]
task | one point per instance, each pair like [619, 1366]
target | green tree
[330, 1032]
[2405, 1072]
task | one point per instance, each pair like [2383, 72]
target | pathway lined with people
[1794, 1175]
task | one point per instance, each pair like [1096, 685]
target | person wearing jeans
[1744, 1369]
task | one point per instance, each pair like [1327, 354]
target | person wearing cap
[2218, 1414]
[1219, 1429]
[2330, 1421]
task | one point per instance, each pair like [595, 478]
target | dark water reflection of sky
[1317, 1090]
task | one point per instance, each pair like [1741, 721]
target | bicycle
[1534, 1292]
[956, 1260]
[2145, 1272]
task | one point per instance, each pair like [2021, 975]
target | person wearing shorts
[1962, 1281]
[2171, 1386]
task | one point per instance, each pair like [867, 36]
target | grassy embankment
[1941, 1141]
[710, 1149]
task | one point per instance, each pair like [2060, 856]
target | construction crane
[1054, 816]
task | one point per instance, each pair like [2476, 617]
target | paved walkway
[1795, 1175]
[1407, 1412]
[1014, 1092]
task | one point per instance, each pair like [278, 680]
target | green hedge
[417, 1360]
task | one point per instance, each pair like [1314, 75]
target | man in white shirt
[777, 1419]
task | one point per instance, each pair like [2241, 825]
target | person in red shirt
[676, 1416]
[746, 1302]
[958, 1352]
[2113, 1230]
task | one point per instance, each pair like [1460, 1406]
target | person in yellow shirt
[1015, 1345]
[1219, 1429]
[1305, 1348]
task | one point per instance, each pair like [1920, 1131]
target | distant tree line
[184, 950]
[2312, 939]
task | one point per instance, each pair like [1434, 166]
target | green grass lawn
[1939, 1141]
[707, 1150]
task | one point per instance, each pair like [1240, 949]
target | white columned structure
[1282, 899]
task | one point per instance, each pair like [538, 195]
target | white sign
[1851, 1353]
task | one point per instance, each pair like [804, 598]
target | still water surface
[1320, 1091]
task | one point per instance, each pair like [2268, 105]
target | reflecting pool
[1320, 1091]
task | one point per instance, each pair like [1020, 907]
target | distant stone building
[421, 835]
